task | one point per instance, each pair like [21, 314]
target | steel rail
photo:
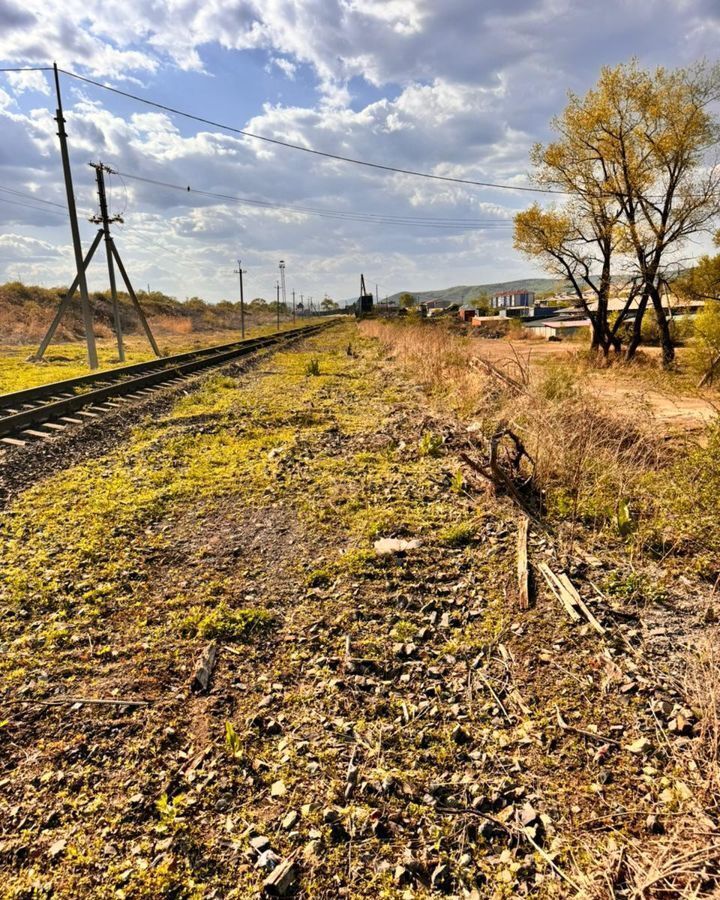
[174, 367]
[42, 391]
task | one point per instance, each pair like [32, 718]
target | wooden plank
[558, 589]
[13, 442]
[36, 434]
[523, 573]
[70, 420]
[54, 426]
[580, 603]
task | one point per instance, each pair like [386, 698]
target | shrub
[705, 346]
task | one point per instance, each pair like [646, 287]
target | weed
[634, 588]
[319, 578]
[431, 444]
[558, 383]
[458, 535]
[170, 811]
[224, 623]
[457, 483]
[313, 367]
[233, 744]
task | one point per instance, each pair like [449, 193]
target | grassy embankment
[69, 360]
[247, 515]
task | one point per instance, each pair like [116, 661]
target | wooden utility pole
[77, 246]
[239, 271]
[104, 220]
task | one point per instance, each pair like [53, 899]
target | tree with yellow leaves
[635, 157]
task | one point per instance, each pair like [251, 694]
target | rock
[460, 736]
[527, 815]
[290, 819]
[402, 876]
[330, 815]
[390, 546]
[57, 848]
[267, 860]
[640, 746]
[281, 881]
[278, 789]
[311, 851]
[260, 843]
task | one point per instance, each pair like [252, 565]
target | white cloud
[465, 88]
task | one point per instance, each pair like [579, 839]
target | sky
[460, 88]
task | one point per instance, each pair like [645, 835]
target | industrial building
[505, 299]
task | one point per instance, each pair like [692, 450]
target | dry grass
[588, 459]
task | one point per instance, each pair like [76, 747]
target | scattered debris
[204, 667]
[390, 546]
[523, 573]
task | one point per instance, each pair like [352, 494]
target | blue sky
[463, 88]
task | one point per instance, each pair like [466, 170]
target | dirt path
[380, 726]
[675, 411]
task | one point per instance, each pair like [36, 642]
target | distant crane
[364, 305]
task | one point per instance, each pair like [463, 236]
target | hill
[464, 293]
[27, 310]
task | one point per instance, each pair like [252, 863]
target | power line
[31, 197]
[374, 218]
[311, 150]
[30, 206]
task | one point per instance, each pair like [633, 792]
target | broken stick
[523, 573]
[204, 667]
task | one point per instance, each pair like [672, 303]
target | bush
[705, 346]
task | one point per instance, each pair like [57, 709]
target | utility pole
[77, 246]
[282, 283]
[293, 307]
[302, 304]
[277, 303]
[104, 220]
[239, 271]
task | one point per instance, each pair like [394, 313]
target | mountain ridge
[465, 293]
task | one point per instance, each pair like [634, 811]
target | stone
[527, 815]
[390, 546]
[460, 736]
[260, 843]
[278, 789]
[290, 819]
[267, 860]
[640, 746]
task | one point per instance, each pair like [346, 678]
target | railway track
[43, 412]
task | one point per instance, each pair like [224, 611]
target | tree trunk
[666, 341]
[637, 328]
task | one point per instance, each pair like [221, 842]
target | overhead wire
[31, 197]
[55, 212]
[311, 150]
[344, 215]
